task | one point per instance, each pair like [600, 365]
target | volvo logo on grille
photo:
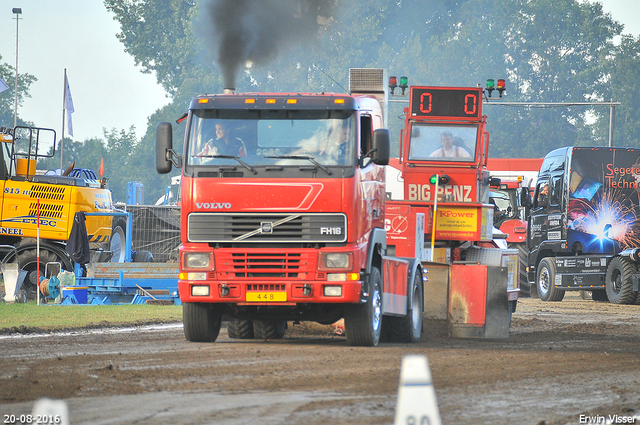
[213, 205]
[266, 227]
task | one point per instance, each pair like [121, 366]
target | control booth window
[443, 142]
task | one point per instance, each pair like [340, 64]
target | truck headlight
[333, 291]
[197, 260]
[200, 291]
[335, 260]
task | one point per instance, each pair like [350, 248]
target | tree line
[546, 50]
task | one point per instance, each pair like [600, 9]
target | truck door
[547, 217]
[538, 217]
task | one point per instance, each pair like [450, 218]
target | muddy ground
[561, 361]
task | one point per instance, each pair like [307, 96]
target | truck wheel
[117, 243]
[143, 256]
[407, 329]
[363, 322]
[269, 329]
[546, 277]
[523, 259]
[201, 322]
[618, 282]
[240, 329]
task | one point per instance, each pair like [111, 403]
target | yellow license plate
[266, 297]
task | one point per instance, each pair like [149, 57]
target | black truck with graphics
[584, 226]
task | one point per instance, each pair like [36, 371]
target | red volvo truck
[282, 216]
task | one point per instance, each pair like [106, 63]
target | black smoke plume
[242, 31]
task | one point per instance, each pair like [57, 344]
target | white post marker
[417, 404]
[51, 411]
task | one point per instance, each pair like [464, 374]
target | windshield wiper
[308, 158]
[244, 164]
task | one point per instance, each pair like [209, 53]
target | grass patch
[31, 317]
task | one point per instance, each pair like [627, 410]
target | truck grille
[46, 210]
[43, 191]
[48, 196]
[266, 264]
[266, 228]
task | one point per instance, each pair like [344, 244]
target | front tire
[545, 278]
[201, 322]
[117, 243]
[363, 322]
[618, 283]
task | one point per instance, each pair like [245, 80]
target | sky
[108, 90]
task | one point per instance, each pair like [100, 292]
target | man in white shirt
[448, 150]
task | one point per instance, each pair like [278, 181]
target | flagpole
[38, 248]
[64, 100]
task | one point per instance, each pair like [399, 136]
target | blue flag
[3, 85]
[68, 105]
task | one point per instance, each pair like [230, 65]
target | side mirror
[381, 147]
[164, 147]
[525, 198]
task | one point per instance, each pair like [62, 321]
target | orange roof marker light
[270, 101]
[203, 100]
[338, 101]
[249, 101]
[292, 101]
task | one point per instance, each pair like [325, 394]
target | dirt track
[562, 360]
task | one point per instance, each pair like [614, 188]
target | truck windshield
[443, 142]
[319, 139]
[505, 205]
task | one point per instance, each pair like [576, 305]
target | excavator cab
[6, 147]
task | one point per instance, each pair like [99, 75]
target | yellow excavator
[41, 207]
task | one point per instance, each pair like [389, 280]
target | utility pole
[18, 12]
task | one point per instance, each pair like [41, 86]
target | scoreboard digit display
[441, 102]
